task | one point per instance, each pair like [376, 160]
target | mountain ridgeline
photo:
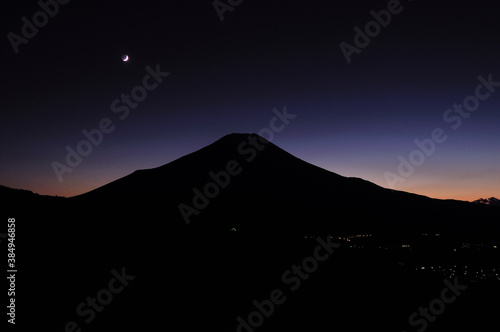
[242, 181]
[245, 182]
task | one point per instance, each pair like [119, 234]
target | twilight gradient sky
[226, 76]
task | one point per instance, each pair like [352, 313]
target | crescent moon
[125, 58]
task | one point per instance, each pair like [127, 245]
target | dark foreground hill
[247, 206]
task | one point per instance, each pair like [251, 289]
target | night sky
[356, 119]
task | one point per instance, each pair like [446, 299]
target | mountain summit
[488, 201]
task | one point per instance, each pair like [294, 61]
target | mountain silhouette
[266, 190]
[488, 201]
[202, 261]
[272, 191]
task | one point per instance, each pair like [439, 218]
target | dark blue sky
[356, 119]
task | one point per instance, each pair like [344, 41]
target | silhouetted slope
[276, 192]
